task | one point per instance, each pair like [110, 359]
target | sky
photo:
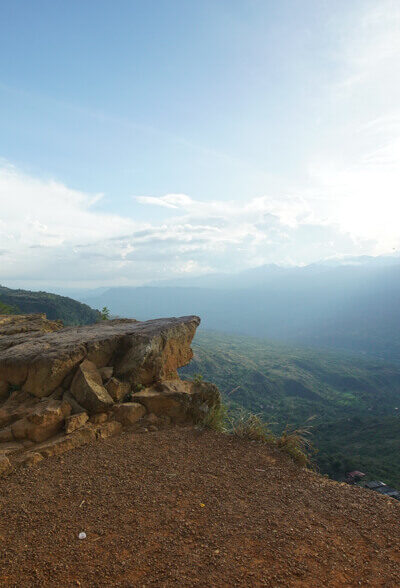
[147, 139]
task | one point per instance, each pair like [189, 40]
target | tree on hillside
[105, 314]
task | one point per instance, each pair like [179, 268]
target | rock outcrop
[62, 387]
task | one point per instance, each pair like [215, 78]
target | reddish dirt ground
[182, 507]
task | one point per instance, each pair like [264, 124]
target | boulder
[141, 352]
[117, 390]
[44, 421]
[129, 413]
[5, 465]
[153, 419]
[75, 421]
[98, 419]
[179, 400]
[17, 405]
[31, 459]
[106, 373]
[64, 443]
[109, 429]
[88, 390]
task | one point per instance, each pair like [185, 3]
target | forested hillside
[355, 402]
[55, 307]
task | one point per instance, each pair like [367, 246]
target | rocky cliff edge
[63, 387]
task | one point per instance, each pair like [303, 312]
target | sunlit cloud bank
[54, 234]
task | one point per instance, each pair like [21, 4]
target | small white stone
[82, 535]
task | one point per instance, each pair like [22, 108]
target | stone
[179, 400]
[5, 465]
[99, 418]
[64, 443]
[75, 421]
[41, 423]
[31, 459]
[117, 390]
[108, 429]
[20, 429]
[141, 352]
[17, 405]
[128, 413]
[153, 419]
[106, 373]
[87, 388]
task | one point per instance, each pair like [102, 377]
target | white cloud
[53, 234]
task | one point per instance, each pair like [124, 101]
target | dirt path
[185, 508]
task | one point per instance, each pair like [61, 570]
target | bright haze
[147, 140]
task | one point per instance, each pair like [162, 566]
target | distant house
[388, 491]
[384, 489]
[356, 474]
[374, 485]
[353, 477]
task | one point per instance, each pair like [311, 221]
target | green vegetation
[355, 401]
[55, 307]
[215, 418]
[197, 378]
[7, 309]
[105, 314]
[244, 424]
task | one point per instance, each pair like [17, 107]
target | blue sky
[153, 138]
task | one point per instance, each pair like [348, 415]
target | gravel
[183, 507]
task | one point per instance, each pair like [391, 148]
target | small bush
[215, 418]
[197, 378]
[105, 314]
[295, 443]
[251, 426]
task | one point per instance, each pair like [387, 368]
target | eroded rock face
[62, 388]
[42, 422]
[140, 352]
[179, 400]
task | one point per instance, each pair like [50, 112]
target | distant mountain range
[71, 312]
[266, 275]
[351, 304]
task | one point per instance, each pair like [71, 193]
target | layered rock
[180, 401]
[140, 352]
[64, 387]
